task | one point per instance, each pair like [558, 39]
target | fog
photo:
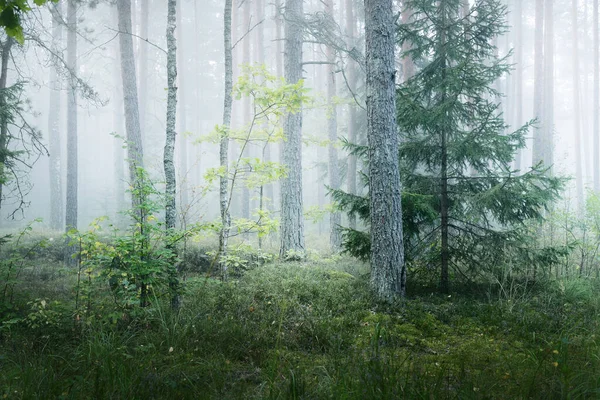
[101, 166]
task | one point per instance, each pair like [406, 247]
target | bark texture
[292, 219]
[135, 152]
[444, 201]
[518, 75]
[57, 211]
[596, 110]
[335, 218]
[169, 151]
[577, 110]
[143, 59]
[548, 113]
[224, 144]
[72, 162]
[388, 272]
[352, 115]
[182, 111]
[4, 134]
[538, 85]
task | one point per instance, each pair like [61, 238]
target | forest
[299, 199]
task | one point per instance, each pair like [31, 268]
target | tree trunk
[118, 151]
[292, 219]
[130, 94]
[352, 120]
[444, 203]
[183, 142]
[518, 75]
[169, 152]
[143, 60]
[408, 66]
[224, 144]
[260, 59]
[577, 111]
[279, 71]
[56, 194]
[335, 218]
[72, 156]
[538, 85]
[388, 272]
[246, 117]
[596, 110]
[548, 113]
[4, 135]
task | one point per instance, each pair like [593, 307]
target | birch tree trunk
[292, 219]
[72, 156]
[388, 272]
[335, 218]
[224, 143]
[169, 151]
[135, 152]
[56, 185]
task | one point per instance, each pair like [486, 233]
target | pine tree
[463, 204]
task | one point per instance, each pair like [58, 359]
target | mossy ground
[306, 330]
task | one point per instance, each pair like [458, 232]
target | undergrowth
[303, 330]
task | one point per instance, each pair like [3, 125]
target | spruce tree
[465, 208]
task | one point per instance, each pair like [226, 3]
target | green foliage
[11, 13]
[454, 137]
[271, 98]
[137, 264]
[311, 330]
[15, 253]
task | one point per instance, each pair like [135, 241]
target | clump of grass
[306, 330]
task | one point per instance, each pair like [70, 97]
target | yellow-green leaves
[10, 16]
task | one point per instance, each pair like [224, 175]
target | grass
[303, 330]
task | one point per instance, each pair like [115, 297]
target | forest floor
[303, 330]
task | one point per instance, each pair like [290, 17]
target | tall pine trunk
[135, 152]
[388, 272]
[335, 219]
[246, 113]
[4, 135]
[444, 203]
[56, 185]
[72, 156]
[538, 85]
[596, 110]
[292, 219]
[548, 113]
[352, 114]
[577, 110]
[518, 75]
[182, 112]
[119, 131]
[143, 66]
